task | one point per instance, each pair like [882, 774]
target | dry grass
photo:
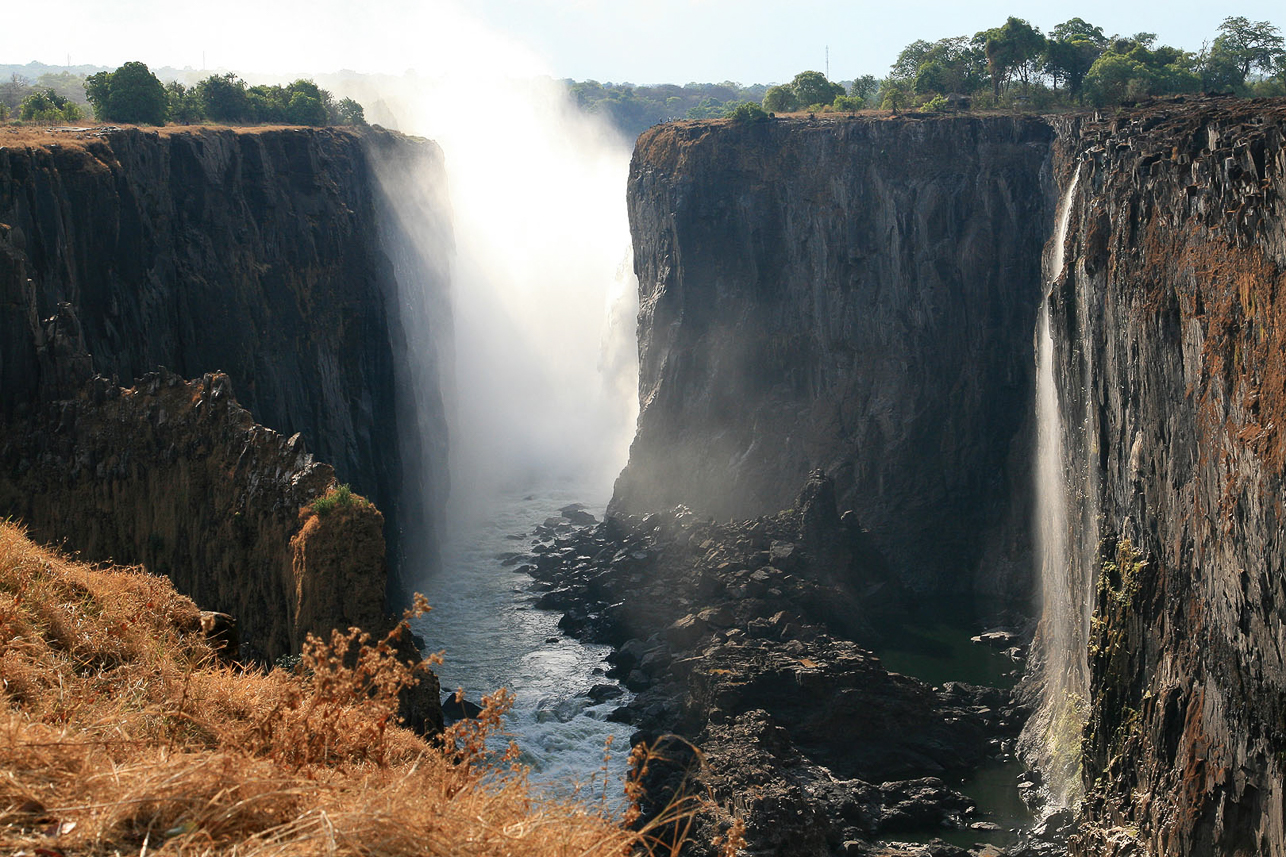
[120, 733]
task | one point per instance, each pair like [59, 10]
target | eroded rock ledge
[177, 476]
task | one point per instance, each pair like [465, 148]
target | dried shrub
[121, 733]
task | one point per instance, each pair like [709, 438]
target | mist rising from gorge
[542, 289]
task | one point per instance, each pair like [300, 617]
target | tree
[780, 99]
[350, 112]
[304, 109]
[14, 90]
[48, 106]
[947, 66]
[894, 95]
[746, 111]
[1248, 46]
[909, 60]
[223, 98]
[1071, 50]
[184, 104]
[129, 94]
[864, 87]
[1078, 29]
[65, 83]
[1130, 70]
[1011, 49]
[812, 88]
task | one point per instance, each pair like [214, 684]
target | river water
[492, 636]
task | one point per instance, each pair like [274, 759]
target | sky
[639, 41]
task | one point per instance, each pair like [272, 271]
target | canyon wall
[1170, 326]
[856, 295]
[860, 296]
[272, 266]
[269, 255]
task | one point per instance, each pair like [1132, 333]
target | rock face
[1170, 326]
[178, 477]
[857, 296]
[860, 296]
[254, 253]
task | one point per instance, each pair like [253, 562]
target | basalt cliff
[1171, 331]
[855, 296]
[271, 268]
[860, 296]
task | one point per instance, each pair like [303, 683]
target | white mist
[541, 378]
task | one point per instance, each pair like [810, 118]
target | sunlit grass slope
[121, 733]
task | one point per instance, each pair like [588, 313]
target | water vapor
[543, 294]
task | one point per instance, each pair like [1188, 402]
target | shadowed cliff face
[253, 253]
[175, 475]
[1175, 289]
[857, 296]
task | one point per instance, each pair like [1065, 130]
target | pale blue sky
[642, 41]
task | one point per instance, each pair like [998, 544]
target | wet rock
[603, 692]
[998, 639]
[454, 709]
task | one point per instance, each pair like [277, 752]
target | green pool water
[940, 652]
[937, 649]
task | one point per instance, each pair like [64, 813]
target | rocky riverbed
[749, 640]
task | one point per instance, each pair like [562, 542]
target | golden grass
[120, 733]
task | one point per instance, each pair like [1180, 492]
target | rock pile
[740, 638]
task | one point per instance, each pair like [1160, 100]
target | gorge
[969, 325]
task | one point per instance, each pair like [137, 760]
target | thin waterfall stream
[1052, 738]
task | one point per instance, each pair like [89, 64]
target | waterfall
[1052, 739]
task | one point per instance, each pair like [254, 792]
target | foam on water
[493, 637]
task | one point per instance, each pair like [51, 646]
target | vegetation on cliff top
[1012, 66]
[133, 94]
[123, 733]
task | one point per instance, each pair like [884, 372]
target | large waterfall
[1066, 540]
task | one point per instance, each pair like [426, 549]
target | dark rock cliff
[1170, 324]
[853, 295]
[860, 296]
[256, 253]
[177, 476]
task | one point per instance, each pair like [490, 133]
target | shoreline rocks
[740, 638]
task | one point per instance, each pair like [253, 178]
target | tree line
[632, 109]
[133, 94]
[1013, 66]
[1076, 64]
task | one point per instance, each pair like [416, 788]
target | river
[491, 635]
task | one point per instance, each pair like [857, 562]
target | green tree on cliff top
[129, 94]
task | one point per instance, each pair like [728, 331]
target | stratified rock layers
[856, 296]
[1171, 331]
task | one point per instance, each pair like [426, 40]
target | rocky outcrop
[267, 255]
[855, 295]
[1170, 327]
[739, 637]
[175, 475]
